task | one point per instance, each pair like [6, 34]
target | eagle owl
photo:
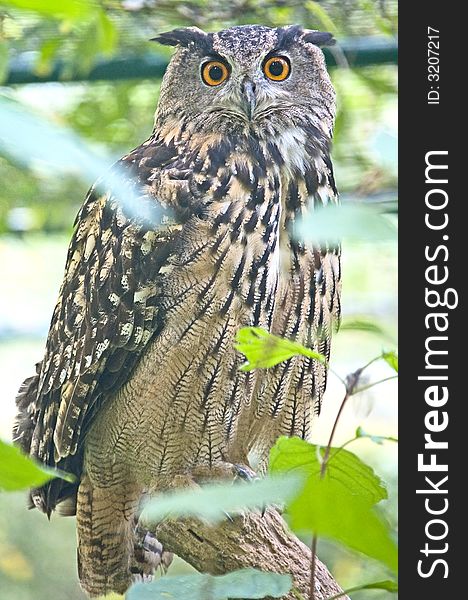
[140, 388]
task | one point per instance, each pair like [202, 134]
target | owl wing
[106, 314]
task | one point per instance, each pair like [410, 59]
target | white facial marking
[291, 145]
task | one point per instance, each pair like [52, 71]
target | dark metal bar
[357, 51]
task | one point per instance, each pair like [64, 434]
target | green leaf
[19, 472]
[339, 505]
[31, 140]
[263, 349]
[391, 358]
[355, 222]
[47, 54]
[361, 324]
[71, 9]
[387, 585]
[377, 439]
[327, 509]
[37, 143]
[296, 455]
[3, 61]
[106, 33]
[99, 36]
[88, 45]
[213, 501]
[246, 583]
[321, 15]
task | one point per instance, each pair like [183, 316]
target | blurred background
[79, 83]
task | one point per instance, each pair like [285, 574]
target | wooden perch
[250, 540]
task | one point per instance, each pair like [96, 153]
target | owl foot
[247, 474]
[244, 473]
[148, 556]
[223, 471]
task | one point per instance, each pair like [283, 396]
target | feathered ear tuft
[318, 38]
[287, 36]
[185, 36]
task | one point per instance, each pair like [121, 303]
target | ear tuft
[288, 35]
[185, 36]
[319, 38]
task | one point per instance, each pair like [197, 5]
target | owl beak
[249, 98]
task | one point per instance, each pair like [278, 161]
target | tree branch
[250, 540]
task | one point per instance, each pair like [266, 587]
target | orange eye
[277, 68]
[214, 72]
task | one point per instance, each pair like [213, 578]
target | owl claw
[149, 555]
[244, 473]
[228, 517]
[247, 474]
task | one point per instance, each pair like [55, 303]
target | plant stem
[350, 384]
[366, 387]
[322, 474]
[346, 444]
[337, 375]
[371, 362]
[313, 568]
[326, 456]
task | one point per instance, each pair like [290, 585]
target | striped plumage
[140, 387]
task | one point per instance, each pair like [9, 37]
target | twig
[366, 387]
[350, 384]
[313, 561]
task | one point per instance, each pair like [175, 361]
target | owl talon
[149, 555]
[247, 474]
[244, 473]
[228, 517]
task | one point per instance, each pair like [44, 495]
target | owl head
[247, 77]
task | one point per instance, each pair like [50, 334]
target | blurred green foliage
[119, 116]
[245, 583]
[214, 501]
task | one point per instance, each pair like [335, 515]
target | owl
[139, 389]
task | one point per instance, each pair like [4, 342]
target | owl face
[248, 77]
